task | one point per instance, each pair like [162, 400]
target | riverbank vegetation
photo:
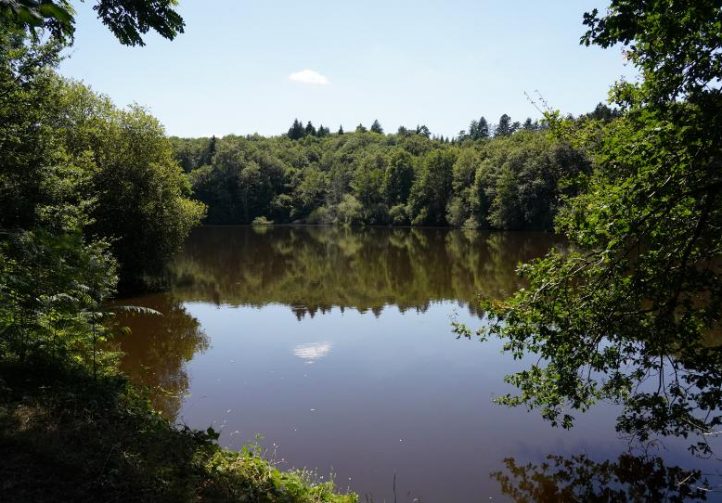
[514, 178]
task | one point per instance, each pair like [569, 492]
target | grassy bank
[67, 435]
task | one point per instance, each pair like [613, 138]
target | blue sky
[403, 62]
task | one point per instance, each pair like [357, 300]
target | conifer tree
[423, 130]
[474, 129]
[296, 132]
[479, 129]
[310, 130]
[483, 130]
[504, 128]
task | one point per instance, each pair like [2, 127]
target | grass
[66, 435]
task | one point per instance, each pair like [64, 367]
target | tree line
[478, 129]
[514, 176]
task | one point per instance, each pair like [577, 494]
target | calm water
[336, 347]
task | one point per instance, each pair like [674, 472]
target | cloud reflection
[312, 352]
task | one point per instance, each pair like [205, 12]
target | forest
[509, 176]
[95, 201]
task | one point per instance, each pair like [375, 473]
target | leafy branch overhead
[675, 43]
[128, 20]
[632, 312]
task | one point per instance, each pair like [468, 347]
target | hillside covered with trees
[509, 176]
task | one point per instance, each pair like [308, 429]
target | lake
[335, 346]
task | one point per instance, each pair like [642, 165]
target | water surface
[336, 347]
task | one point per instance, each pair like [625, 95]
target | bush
[262, 221]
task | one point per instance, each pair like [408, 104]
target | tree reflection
[314, 269]
[578, 478]
[157, 347]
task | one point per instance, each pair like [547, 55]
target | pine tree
[296, 132]
[423, 130]
[474, 130]
[483, 131]
[310, 130]
[340, 130]
[603, 113]
[376, 127]
[504, 128]
[479, 129]
[361, 129]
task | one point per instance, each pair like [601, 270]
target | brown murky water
[335, 346]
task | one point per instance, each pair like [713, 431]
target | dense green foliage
[516, 180]
[140, 193]
[53, 279]
[73, 162]
[632, 314]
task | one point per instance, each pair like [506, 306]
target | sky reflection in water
[312, 352]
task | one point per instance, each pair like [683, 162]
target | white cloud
[309, 77]
[312, 352]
